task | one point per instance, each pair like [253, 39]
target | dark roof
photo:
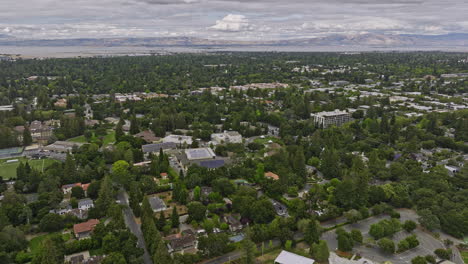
[182, 242]
[155, 147]
[77, 259]
[212, 164]
[233, 221]
[156, 203]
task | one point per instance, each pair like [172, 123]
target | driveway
[129, 218]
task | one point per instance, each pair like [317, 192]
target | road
[427, 242]
[129, 218]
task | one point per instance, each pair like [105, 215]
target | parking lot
[427, 245]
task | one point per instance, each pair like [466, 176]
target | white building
[200, 153]
[178, 139]
[286, 257]
[226, 137]
[336, 118]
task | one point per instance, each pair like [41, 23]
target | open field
[106, 140]
[8, 170]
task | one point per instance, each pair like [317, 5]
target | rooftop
[200, 153]
[286, 257]
[86, 226]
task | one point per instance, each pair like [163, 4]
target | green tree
[161, 221]
[50, 252]
[196, 211]
[345, 241]
[249, 249]
[69, 170]
[119, 133]
[330, 165]
[51, 223]
[120, 173]
[356, 235]
[409, 225]
[387, 245]
[418, 260]
[320, 251]
[161, 256]
[196, 193]
[428, 220]
[77, 192]
[27, 138]
[312, 234]
[443, 253]
[175, 218]
[105, 197]
[114, 258]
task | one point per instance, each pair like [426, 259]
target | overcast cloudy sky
[226, 19]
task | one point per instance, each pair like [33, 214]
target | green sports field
[8, 170]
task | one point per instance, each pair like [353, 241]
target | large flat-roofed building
[200, 154]
[226, 137]
[62, 146]
[332, 118]
[178, 139]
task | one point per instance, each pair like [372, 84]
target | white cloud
[233, 23]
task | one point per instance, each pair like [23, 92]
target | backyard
[106, 140]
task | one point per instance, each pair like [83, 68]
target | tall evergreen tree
[175, 218]
[27, 138]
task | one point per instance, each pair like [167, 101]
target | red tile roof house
[68, 187]
[84, 230]
[271, 175]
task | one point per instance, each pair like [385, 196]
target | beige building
[332, 118]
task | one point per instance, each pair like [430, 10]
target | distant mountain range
[368, 40]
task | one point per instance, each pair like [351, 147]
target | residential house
[85, 204]
[271, 175]
[234, 224]
[280, 208]
[157, 204]
[148, 136]
[182, 243]
[84, 230]
[61, 103]
[67, 188]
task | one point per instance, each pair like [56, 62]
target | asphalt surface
[129, 218]
[427, 245]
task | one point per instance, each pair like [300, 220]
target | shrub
[387, 245]
[443, 253]
[409, 225]
[418, 260]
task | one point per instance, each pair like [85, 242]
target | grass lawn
[35, 243]
[78, 139]
[8, 170]
[465, 256]
[107, 139]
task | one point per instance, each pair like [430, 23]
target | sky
[228, 19]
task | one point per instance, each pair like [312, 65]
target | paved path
[133, 226]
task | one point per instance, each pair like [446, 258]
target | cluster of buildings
[261, 86]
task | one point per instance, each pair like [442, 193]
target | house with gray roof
[85, 204]
[157, 204]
